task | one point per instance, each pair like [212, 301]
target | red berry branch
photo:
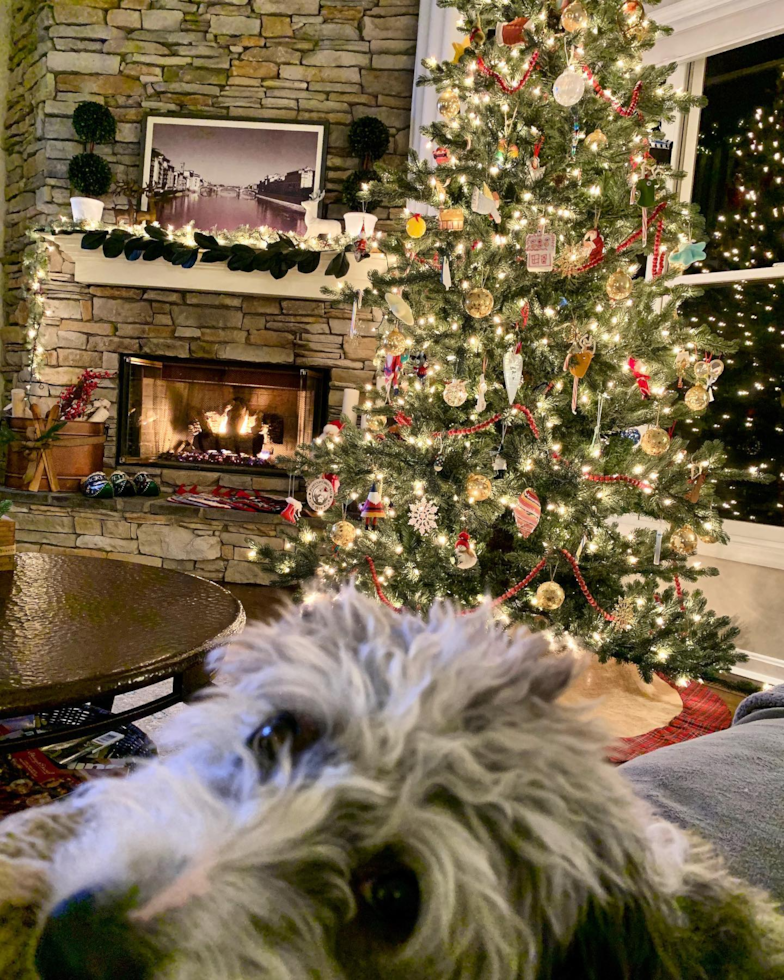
[75, 400]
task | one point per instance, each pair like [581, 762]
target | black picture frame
[224, 147]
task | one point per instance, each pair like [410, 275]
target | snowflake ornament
[423, 515]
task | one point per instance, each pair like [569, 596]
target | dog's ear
[615, 939]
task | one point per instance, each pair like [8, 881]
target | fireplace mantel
[93, 268]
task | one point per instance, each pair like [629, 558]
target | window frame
[752, 542]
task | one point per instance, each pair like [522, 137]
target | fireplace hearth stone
[206, 542]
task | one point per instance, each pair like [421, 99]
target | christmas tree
[528, 368]
[744, 175]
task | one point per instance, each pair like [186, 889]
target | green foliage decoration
[89, 174]
[94, 123]
[368, 139]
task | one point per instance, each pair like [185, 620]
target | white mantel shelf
[93, 268]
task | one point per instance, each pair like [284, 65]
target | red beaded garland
[615, 103]
[584, 588]
[619, 478]
[470, 430]
[503, 85]
[627, 242]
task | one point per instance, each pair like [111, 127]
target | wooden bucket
[7, 544]
[71, 463]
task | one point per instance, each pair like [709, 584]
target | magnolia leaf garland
[278, 258]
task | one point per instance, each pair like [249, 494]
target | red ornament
[594, 241]
[641, 379]
[512, 33]
[332, 478]
[291, 512]
[441, 155]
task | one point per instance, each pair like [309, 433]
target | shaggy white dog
[372, 795]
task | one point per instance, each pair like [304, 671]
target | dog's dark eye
[271, 737]
[389, 900]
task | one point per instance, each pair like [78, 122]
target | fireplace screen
[215, 414]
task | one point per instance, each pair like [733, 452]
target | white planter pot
[86, 208]
[354, 220]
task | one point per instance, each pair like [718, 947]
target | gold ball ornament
[707, 535]
[632, 12]
[449, 104]
[632, 20]
[596, 141]
[550, 596]
[684, 540]
[478, 487]
[619, 286]
[655, 441]
[342, 533]
[697, 398]
[575, 17]
[395, 342]
[376, 423]
[416, 226]
[479, 302]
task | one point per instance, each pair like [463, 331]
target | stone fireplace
[215, 415]
[259, 59]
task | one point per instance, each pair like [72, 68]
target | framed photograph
[226, 173]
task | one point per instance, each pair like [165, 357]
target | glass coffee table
[77, 630]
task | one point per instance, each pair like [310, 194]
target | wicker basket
[451, 219]
[7, 544]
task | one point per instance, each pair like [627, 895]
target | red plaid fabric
[703, 712]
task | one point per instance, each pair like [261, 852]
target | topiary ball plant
[352, 189]
[93, 124]
[368, 139]
[90, 175]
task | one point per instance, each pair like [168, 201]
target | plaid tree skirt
[703, 712]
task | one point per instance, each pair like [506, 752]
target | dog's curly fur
[441, 748]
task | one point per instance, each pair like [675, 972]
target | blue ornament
[563, 301]
[633, 434]
[689, 254]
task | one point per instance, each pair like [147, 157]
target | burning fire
[218, 422]
[247, 424]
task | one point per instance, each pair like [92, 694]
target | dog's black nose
[88, 937]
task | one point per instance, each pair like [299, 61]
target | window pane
[747, 414]
[738, 176]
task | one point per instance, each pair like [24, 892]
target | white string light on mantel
[35, 263]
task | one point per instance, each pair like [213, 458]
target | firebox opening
[215, 414]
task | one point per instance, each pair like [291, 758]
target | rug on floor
[703, 712]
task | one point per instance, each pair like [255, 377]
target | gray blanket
[729, 787]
